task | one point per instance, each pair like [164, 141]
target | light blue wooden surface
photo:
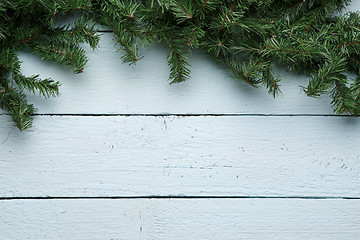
[242, 166]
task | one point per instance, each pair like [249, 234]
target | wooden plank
[109, 86]
[181, 219]
[202, 156]
[353, 7]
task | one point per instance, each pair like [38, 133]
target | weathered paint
[222, 156]
[290, 156]
[178, 219]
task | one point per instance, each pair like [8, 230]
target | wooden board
[109, 86]
[230, 219]
[257, 168]
[202, 156]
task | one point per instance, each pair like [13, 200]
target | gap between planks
[181, 197]
[186, 115]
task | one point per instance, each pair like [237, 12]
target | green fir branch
[248, 37]
[178, 63]
[63, 53]
[128, 46]
[355, 91]
[182, 10]
[250, 72]
[15, 103]
[271, 82]
[342, 98]
[332, 72]
[177, 59]
[78, 32]
[46, 87]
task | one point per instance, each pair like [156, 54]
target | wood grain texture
[215, 156]
[231, 219]
[109, 86]
[104, 156]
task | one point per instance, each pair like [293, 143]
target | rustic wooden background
[121, 154]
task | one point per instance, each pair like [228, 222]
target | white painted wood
[195, 156]
[354, 6]
[230, 219]
[223, 156]
[109, 86]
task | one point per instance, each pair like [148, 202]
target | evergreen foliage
[246, 36]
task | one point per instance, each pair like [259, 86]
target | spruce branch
[9, 60]
[30, 25]
[355, 90]
[271, 82]
[46, 87]
[342, 98]
[332, 72]
[121, 17]
[73, 5]
[178, 63]
[177, 59]
[15, 103]
[78, 32]
[205, 6]
[182, 10]
[193, 36]
[63, 53]
[228, 17]
[251, 72]
[129, 46]
[248, 37]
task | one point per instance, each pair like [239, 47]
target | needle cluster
[247, 37]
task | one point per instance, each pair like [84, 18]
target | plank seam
[180, 197]
[185, 115]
